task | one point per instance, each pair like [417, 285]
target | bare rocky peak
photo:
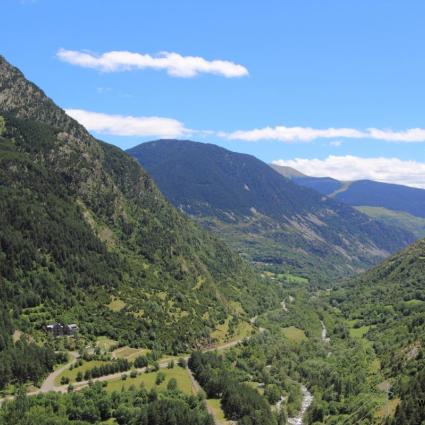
[24, 99]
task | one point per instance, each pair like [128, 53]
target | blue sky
[312, 77]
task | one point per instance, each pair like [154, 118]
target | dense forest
[94, 406]
[24, 360]
[239, 401]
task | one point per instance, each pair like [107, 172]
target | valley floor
[306, 358]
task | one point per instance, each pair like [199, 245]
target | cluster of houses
[58, 329]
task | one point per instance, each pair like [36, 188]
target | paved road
[49, 383]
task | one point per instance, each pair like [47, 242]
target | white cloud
[292, 134]
[412, 135]
[308, 134]
[120, 125]
[175, 64]
[389, 170]
[335, 143]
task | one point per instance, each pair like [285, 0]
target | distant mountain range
[266, 217]
[393, 204]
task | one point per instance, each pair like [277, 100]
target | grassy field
[359, 332]
[72, 374]
[291, 278]
[388, 409]
[375, 366]
[286, 277]
[181, 375]
[244, 330]
[129, 353]
[413, 303]
[110, 421]
[221, 331]
[116, 304]
[294, 334]
[215, 405]
[105, 343]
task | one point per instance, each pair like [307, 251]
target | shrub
[172, 384]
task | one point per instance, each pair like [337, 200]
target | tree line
[239, 401]
[94, 405]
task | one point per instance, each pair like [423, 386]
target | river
[307, 400]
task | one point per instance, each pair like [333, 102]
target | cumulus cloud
[389, 170]
[120, 125]
[175, 64]
[292, 134]
[308, 134]
[412, 135]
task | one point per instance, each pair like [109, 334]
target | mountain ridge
[392, 204]
[364, 192]
[237, 194]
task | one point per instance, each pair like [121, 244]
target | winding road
[49, 383]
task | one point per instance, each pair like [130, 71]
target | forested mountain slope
[388, 305]
[86, 237]
[265, 216]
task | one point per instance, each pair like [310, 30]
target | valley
[265, 217]
[207, 289]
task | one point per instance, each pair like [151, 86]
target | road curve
[49, 383]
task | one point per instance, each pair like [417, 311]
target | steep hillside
[409, 222]
[387, 304]
[391, 196]
[86, 237]
[266, 217]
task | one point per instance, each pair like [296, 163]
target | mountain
[287, 171]
[392, 204]
[86, 237]
[409, 222]
[267, 217]
[387, 305]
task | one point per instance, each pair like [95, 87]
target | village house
[58, 329]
